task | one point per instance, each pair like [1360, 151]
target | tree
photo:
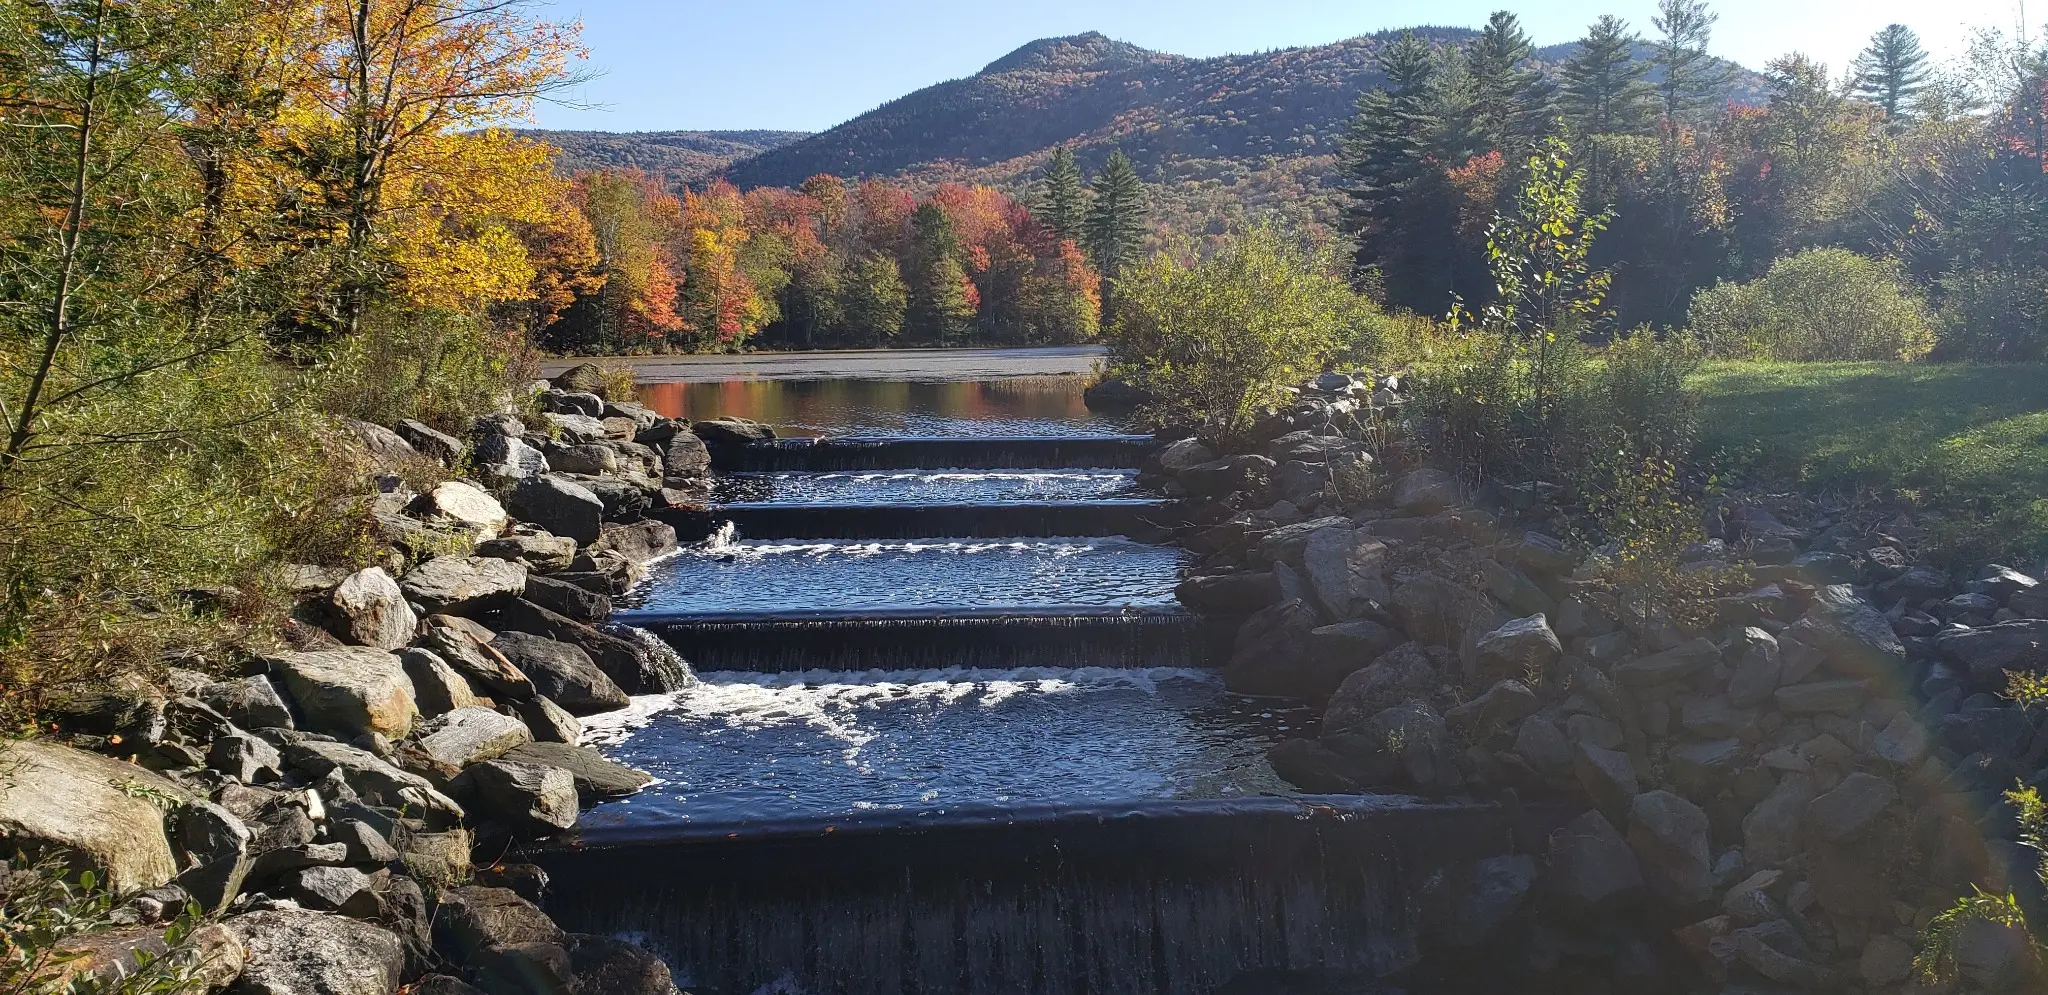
[1116, 216]
[1606, 90]
[1062, 199]
[1891, 72]
[942, 299]
[1692, 78]
[1386, 148]
[874, 300]
[1512, 100]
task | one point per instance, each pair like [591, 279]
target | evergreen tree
[1692, 78]
[1511, 100]
[1116, 219]
[1062, 199]
[1388, 149]
[942, 300]
[1606, 89]
[1892, 71]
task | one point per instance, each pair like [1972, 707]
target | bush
[1216, 342]
[443, 368]
[1995, 315]
[1818, 305]
[41, 908]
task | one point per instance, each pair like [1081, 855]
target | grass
[1966, 441]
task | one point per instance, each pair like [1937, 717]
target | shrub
[1217, 341]
[441, 367]
[40, 909]
[1818, 305]
[1995, 314]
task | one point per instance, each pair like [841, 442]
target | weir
[953, 733]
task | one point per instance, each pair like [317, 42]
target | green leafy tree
[1116, 220]
[1891, 72]
[942, 300]
[1606, 89]
[1692, 78]
[1063, 198]
[873, 300]
[1216, 342]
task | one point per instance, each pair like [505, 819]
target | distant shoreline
[855, 364]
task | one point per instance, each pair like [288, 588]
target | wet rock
[1402, 674]
[1228, 594]
[1770, 832]
[1591, 864]
[370, 610]
[250, 702]
[437, 688]
[1523, 647]
[561, 506]
[1670, 838]
[457, 585]
[561, 672]
[350, 691]
[1847, 810]
[469, 736]
[299, 952]
[596, 777]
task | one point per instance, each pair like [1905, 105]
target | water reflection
[1033, 406]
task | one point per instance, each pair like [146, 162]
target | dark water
[842, 575]
[867, 487]
[1033, 406]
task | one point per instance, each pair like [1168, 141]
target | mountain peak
[1092, 50]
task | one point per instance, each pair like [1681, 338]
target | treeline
[1933, 176]
[833, 263]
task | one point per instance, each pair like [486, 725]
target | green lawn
[1968, 441]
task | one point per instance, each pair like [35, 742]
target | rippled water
[1036, 406]
[864, 487]
[837, 575]
[748, 749]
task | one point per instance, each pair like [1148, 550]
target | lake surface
[1024, 406]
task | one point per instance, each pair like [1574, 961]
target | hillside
[682, 156]
[1218, 137]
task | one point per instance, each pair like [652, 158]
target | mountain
[681, 156]
[1217, 137]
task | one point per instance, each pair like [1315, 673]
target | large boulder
[98, 811]
[386, 449]
[640, 542]
[1403, 747]
[249, 702]
[596, 777]
[1403, 674]
[369, 609]
[685, 457]
[1770, 832]
[562, 672]
[1853, 637]
[1425, 491]
[473, 919]
[463, 584]
[350, 691]
[1346, 571]
[444, 448]
[1523, 647]
[505, 458]
[1228, 594]
[478, 662]
[436, 687]
[1987, 653]
[613, 967]
[637, 666]
[1675, 664]
[1437, 612]
[300, 952]
[1846, 811]
[1591, 864]
[559, 505]
[1670, 839]
[469, 736]
[463, 506]
[531, 800]
[1271, 656]
[370, 777]
[732, 432]
[574, 600]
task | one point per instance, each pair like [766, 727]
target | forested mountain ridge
[689, 157]
[1216, 136]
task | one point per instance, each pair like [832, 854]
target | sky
[805, 65]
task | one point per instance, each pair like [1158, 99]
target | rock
[245, 758]
[440, 859]
[1671, 665]
[387, 451]
[371, 777]
[1542, 746]
[441, 984]
[250, 702]
[1770, 832]
[1917, 584]
[1608, 777]
[1497, 889]
[1217, 478]
[98, 809]
[1288, 544]
[1847, 810]
[464, 506]
[350, 691]
[574, 429]
[604, 966]
[1436, 612]
[472, 656]
[533, 548]
[1227, 594]
[1405, 747]
[1987, 653]
[444, 448]
[1174, 457]
[1544, 554]
[298, 952]
[437, 688]
[1757, 670]
[561, 672]
[1749, 902]
[596, 777]
[102, 961]
[732, 432]
[572, 600]
[1523, 647]
[333, 889]
[1272, 654]
[1425, 491]
[1309, 765]
[1591, 864]
[591, 458]
[532, 800]
[1502, 705]
[1402, 674]
[214, 847]
[561, 506]
[1902, 743]
[1698, 767]
[366, 846]
[640, 542]
[585, 378]
[453, 585]
[1995, 956]
[1342, 649]
[1840, 696]
[370, 610]
[1886, 960]
[1854, 638]
[684, 457]
[548, 722]
[508, 458]
[469, 736]
[1346, 571]
[1775, 950]
[572, 402]
[1670, 838]
[2030, 603]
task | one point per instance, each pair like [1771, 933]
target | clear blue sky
[809, 64]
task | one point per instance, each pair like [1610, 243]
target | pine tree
[1387, 145]
[1511, 100]
[942, 299]
[1606, 89]
[1692, 78]
[1116, 220]
[1062, 199]
[1892, 71]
